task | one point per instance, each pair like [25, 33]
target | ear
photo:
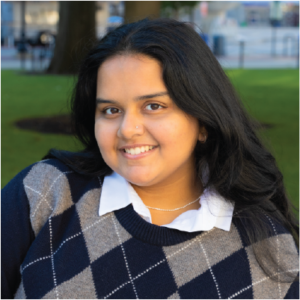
[202, 135]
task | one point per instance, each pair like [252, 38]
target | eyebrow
[139, 98]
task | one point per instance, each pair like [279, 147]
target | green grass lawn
[30, 96]
[271, 96]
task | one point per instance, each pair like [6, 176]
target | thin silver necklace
[174, 208]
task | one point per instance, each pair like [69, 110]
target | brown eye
[111, 111]
[153, 106]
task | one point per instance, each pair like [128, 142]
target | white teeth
[138, 150]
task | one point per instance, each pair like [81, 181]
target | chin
[139, 178]
[139, 181]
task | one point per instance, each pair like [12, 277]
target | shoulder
[276, 234]
[51, 188]
[273, 262]
[48, 166]
[43, 175]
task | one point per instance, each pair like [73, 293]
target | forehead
[130, 74]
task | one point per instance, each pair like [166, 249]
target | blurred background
[43, 42]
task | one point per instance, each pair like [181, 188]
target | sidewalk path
[259, 62]
[10, 60]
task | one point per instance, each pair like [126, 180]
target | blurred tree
[137, 10]
[172, 8]
[76, 35]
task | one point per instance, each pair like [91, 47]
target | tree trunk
[176, 14]
[76, 36]
[137, 10]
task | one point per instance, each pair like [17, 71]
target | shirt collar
[117, 193]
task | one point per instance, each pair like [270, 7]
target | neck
[172, 193]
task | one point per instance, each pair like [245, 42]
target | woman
[174, 196]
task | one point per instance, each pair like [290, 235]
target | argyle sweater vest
[55, 245]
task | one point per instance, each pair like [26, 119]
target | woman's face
[142, 135]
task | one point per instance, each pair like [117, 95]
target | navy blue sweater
[55, 245]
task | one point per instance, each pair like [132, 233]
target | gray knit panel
[104, 237]
[20, 294]
[80, 286]
[284, 268]
[45, 186]
[99, 232]
[174, 296]
[192, 258]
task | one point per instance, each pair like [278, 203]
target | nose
[130, 126]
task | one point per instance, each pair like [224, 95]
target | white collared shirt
[214, 211]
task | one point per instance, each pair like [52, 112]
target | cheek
[178, 134]
[167, 133]
[173, 132]
[104, 137]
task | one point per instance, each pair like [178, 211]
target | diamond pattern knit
[71, 252]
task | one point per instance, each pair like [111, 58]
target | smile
[138, 150]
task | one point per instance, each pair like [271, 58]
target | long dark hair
[239, 166]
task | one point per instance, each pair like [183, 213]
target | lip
[136, 156]
[135, 145]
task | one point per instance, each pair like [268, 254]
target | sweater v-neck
[151, 233]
